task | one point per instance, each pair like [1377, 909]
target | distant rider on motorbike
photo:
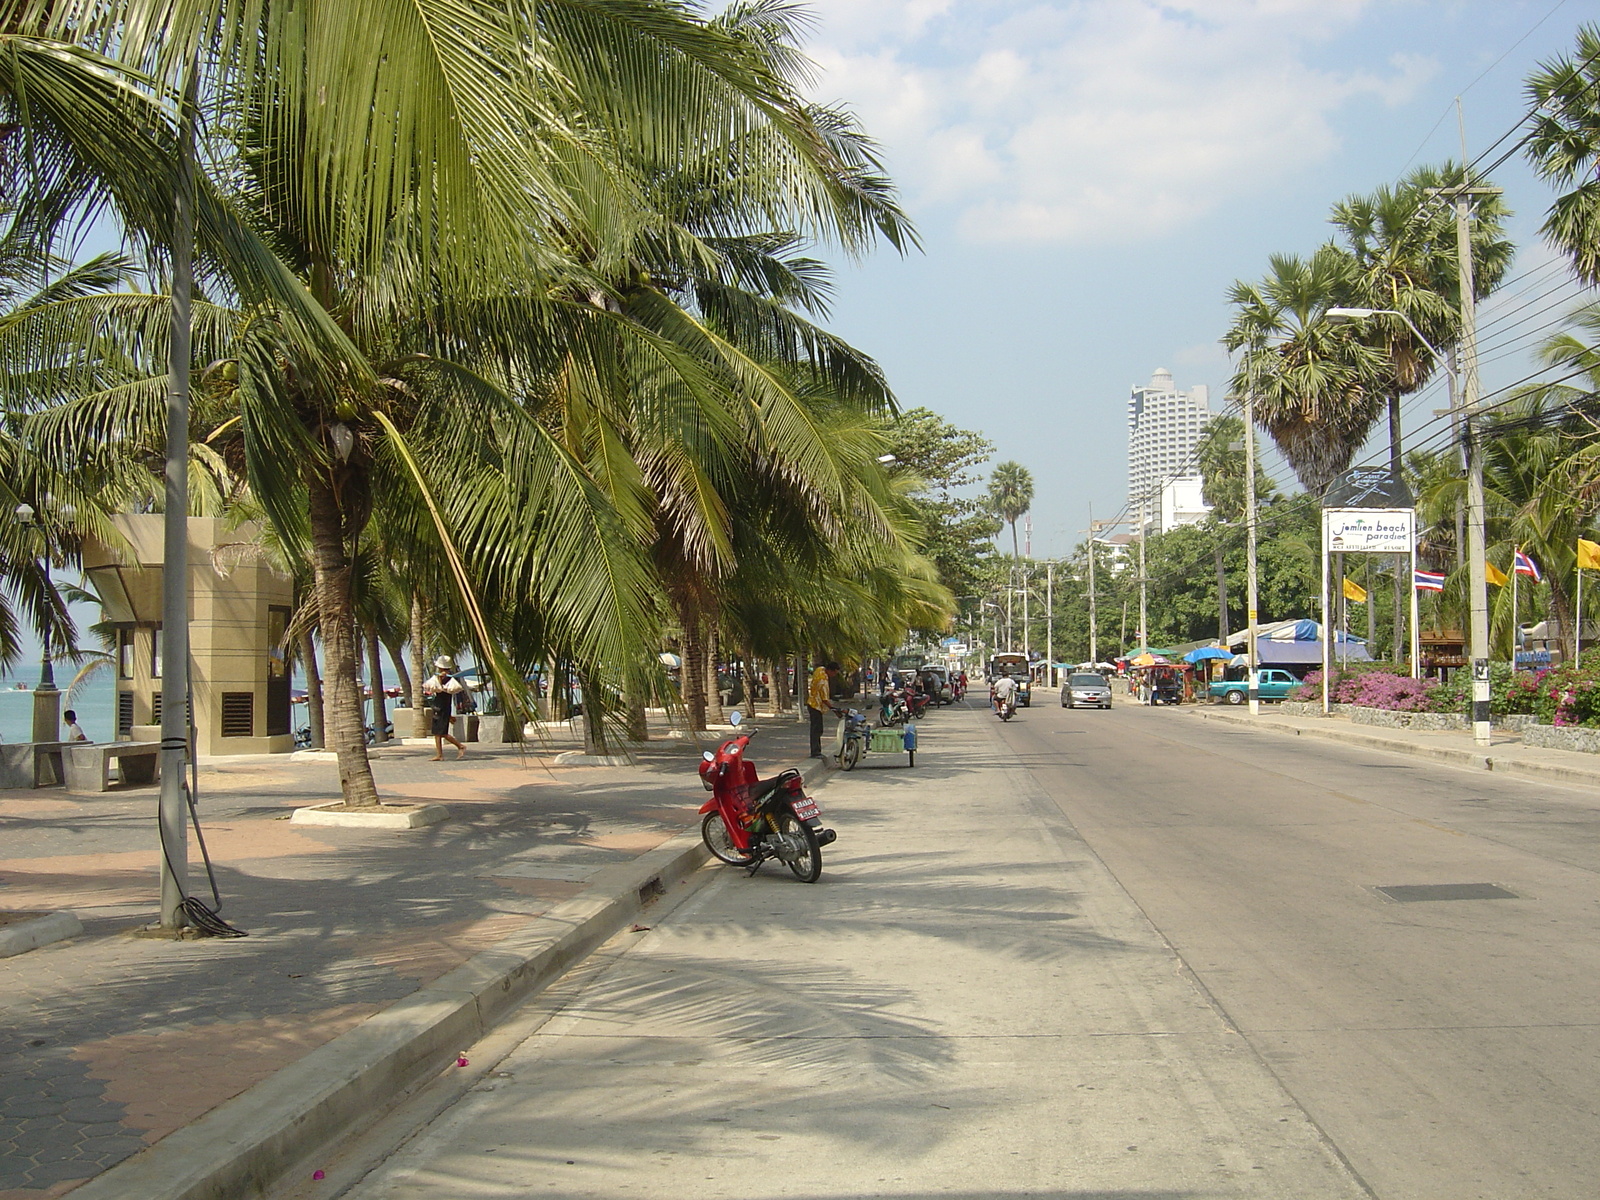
[1002, 692]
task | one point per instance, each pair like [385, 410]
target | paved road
[1447, 1048]
[970, 1005]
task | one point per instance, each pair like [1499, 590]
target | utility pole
[1250, 551]
[1144, 600]
[1477, 579]
[1011, 599]
[1094, 649]
[1027, 635]
[1050, 620]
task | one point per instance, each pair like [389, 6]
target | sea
[94, 700]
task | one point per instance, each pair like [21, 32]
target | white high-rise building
[1163, 426]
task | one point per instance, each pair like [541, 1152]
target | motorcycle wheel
[714, 832]
[807, 867]
[883, 716]
[851, 755]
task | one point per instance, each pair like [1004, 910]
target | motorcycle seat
[762, 788]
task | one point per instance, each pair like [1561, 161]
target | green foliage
[939, 460]
[1564, 147]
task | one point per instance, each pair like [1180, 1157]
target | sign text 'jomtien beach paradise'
[1368, 530]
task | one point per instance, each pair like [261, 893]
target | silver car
[1085, 689]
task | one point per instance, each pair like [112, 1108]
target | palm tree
[1402, 243]
[1317, 386]
[1563, 145]
[449, 270]
[1011, 494]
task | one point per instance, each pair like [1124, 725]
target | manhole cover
[1412, 893]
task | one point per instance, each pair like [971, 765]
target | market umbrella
[1150, 660]
[1205, 653]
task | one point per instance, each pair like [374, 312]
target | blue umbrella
[1207, 652]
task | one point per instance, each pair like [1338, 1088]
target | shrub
[1375, 685]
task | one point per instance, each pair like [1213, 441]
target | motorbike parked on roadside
[892, 708]
[749, 820]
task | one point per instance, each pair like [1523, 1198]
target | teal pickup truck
[1274, 685]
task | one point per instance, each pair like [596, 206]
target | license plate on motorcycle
[805, 808]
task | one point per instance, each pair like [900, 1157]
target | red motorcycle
[749, 820]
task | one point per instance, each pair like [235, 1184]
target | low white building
[1182, 503]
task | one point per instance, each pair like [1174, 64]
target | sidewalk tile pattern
[109, 1042]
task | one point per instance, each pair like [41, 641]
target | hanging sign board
[1369, 530]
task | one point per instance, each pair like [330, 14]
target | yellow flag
[1588, 555]
[1496, 576]
[1354, 591]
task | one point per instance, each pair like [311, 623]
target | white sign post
[1368, 531]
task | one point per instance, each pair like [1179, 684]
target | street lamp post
[46, 698]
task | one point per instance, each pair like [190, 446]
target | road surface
[1085, 954]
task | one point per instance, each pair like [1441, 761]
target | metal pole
[1516, 638]
[1327, 636]
[1250, 551]
[1416, 609]
[175, 557]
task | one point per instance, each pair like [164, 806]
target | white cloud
[1092, 120]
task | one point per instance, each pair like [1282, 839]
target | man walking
[818, 702]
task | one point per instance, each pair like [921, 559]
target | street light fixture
[1347, 316]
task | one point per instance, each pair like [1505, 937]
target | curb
[246, 1145]
[41, 931]
[1475, 760]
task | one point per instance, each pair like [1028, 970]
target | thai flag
[1526, 566]
[1429, 581]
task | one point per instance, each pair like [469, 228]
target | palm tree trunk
[638, 720]
[691, 669]
[1014, 551]
[399, 659]
[330, 565]
[308, 658]
[420, 724]
[713, 645]
[380, 706]
[594, 727]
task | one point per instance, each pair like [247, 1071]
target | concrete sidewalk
[110, 1043]
[1506, 754]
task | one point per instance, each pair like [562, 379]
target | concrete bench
[88, 764]
[31, 765]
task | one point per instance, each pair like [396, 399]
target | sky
[1090, 176]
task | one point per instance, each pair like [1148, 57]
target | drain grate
[1413, 893]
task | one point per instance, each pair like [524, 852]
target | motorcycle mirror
[708, 756]
[735, 717]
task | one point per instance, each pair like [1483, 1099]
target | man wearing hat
[442, 691]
